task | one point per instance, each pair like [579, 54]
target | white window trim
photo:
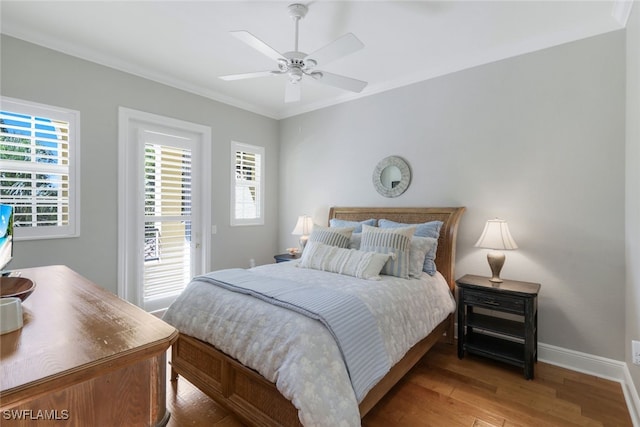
[240, 146]
[73, 118]
[129, 274]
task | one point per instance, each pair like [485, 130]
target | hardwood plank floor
[445, 391]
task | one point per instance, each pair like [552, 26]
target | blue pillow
[357, 225]
[427, 229]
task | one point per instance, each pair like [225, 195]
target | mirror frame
[405, 173]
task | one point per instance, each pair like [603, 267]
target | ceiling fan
[296, 64]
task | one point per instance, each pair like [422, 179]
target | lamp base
[303, 242]
[496, 261]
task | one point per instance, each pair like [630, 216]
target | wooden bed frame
[256, 400]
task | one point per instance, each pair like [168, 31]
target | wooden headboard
[446, 254]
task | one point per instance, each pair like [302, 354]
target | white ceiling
[187, 44]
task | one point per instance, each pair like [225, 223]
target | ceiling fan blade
[250, 75]
[257, 44]
[292, 92]
[336, 49]
[337, 80]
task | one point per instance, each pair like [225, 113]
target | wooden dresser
[84, 357]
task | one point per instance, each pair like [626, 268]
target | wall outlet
[635, 352]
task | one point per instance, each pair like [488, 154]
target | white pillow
[354, 242]
[351, 262]
[420, 247]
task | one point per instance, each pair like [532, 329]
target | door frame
[129, 120]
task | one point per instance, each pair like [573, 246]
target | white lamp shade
[303, 226]
[496, 236]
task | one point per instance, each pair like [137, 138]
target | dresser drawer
[493, 301]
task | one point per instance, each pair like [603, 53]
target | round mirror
[391, 176]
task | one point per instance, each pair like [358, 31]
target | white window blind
[38, 157]
[247, 201]
[167, 220]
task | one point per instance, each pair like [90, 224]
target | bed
[255, 399]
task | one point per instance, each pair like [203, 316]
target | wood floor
[445, 391]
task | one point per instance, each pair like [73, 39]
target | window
[247, 184]
[39, 150]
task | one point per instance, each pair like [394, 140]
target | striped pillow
[390, 241]
[334, 236]
[363, 265]
[427, 229]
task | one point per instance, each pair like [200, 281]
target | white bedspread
[298, 354]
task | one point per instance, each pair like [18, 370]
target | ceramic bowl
[18, 287]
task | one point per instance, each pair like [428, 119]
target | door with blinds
[168, 242]
[163, 230]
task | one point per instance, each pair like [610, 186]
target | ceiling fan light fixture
[296, 63]
[295, 75]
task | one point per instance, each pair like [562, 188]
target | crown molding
[621, 10]
[620, 13]
[129, 68]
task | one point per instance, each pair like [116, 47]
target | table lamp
[303, 229]
[496, 237]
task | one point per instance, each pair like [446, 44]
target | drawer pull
[491, 302]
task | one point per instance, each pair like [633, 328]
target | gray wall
[633, 189]
[538, 140]
[41, 75]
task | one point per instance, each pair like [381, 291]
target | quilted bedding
[298, 354]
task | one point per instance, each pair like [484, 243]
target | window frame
[258, 150]
[72, 229]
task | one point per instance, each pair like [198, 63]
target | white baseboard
[598, 366]
[631, 396]
[602, 367]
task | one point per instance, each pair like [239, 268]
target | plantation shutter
[167, 220]
[247, 184]
[36, 160]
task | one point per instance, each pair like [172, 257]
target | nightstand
[513, 341]
[286, 257]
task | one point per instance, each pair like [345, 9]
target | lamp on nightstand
[303, 229]
[496, 237]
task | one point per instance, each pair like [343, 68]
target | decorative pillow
[331, 236]
[357, 225]
[427, 229]
[354, 242]
[420, 246]
[363, 265]
[390, 241]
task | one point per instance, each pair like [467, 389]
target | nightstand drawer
[493, 301]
